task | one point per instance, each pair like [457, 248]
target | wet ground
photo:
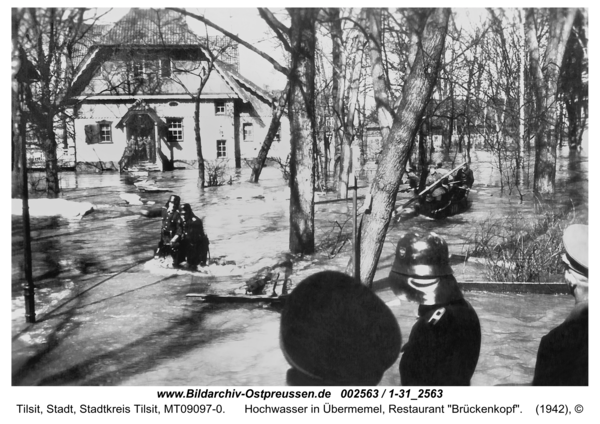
[107, 319]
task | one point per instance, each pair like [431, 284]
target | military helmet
[422, 256]
[173, 199]
[186, 209]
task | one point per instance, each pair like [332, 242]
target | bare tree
[415, 96]
[301, 97]
[48, 38]
[573, 83]
[279, 104]
[302, 129]
[381, 89]
[19, 78]
[545, 70]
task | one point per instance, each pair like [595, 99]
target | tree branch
[281, 31]
[234, 37]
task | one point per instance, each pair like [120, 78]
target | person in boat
[464, 176]
[170, 231]
[194, 241]
[444, 344]
[440, 194]
[562, 358]
[463, 181]
[335, 331]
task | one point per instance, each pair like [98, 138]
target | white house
[138, 84]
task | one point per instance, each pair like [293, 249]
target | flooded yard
[143, 330]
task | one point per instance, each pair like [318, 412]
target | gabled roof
[160, 28]
[249, 85]
[140, 107]
[150, 27]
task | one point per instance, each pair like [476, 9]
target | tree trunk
[52, 180]
[344, 114]
[545, 85]
[338, 84]
[278, 109]
[349, 127]
[201, 177]
[521, 137]
[18, 131]
[415, 96]
[197, 134]
[423, 159]
[385, 113]
[302, 130]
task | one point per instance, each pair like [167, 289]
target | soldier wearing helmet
[562, 358]
[170, 231]
[194, 243]
[443, 347]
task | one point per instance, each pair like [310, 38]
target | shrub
[521, 248]
[216, 172]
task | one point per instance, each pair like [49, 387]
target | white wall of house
[249, 148]
[215, 126]
[105, 151]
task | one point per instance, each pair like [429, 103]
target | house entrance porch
[141, 139]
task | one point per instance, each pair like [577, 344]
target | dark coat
[465, 176]
[170, 227]
[443, 347]
[562, 358]
[194, 247]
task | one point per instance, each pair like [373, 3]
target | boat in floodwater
[454, 201]
[443, 197]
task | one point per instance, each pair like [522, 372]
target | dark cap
[174, 199]
[337, 330]
[422, 256]
[575, 240]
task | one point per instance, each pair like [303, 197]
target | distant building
[137, 82]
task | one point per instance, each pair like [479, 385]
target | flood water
[245, 345]
[248, 223]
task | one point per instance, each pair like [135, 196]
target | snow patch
[132, 199]
[52, 207]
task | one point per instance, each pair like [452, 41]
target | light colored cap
[575, 240]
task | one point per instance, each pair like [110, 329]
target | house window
[221, 149]
[165, 68]
[219, 108]
[100, 132]
[248, 132]
[105, 133]
[174, 129]
[138, 71]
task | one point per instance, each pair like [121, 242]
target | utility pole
[28, 286]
